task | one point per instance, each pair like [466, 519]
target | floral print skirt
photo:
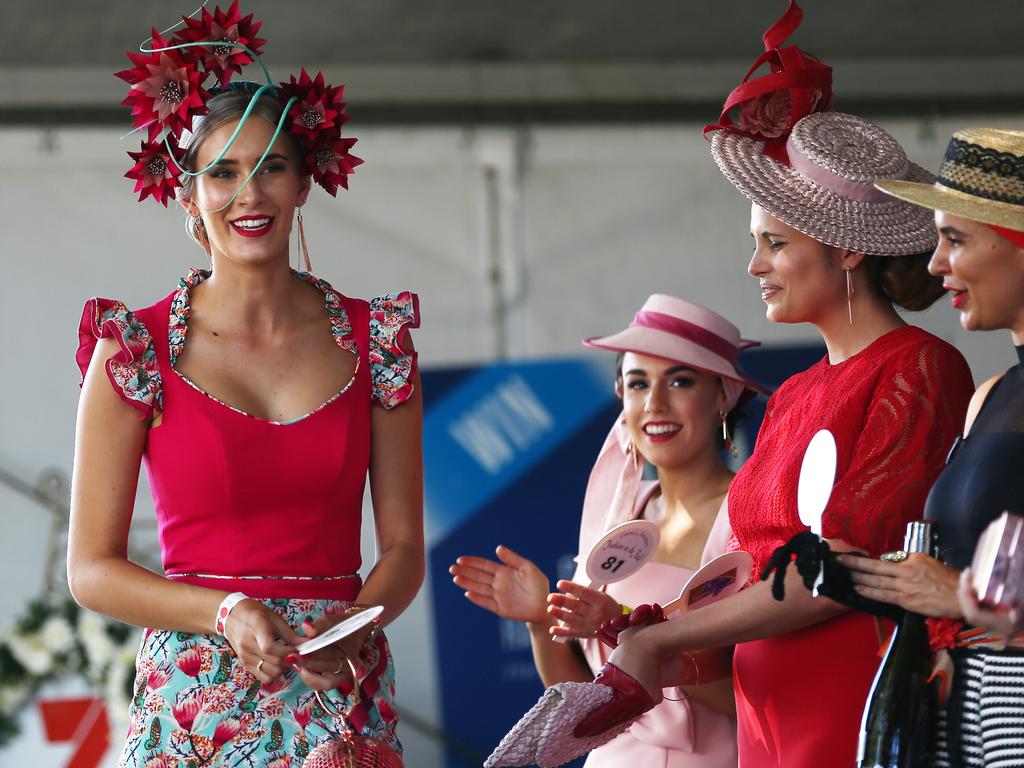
[195, 704]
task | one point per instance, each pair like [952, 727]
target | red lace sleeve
[916, 413]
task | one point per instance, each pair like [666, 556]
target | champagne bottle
[894, 728]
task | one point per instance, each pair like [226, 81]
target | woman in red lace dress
[832, 251]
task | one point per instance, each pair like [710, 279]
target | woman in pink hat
[830, 250]
[679, 385]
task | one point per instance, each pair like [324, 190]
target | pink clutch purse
[544, 736]
[998, 566]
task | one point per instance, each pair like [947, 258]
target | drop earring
[632, 451]
[849, 291]
[302, 238]
[727, 442]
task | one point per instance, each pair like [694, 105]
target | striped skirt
[195, 704]
[982, 724]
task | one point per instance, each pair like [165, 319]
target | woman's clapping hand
[581, 610]
[514, 588]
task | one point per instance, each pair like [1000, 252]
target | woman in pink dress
[679, 386]
[259, 399]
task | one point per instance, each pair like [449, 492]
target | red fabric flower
[223, 27]
[155, 172]
[770, 116]
[166, 88]
[274, 686]
[190, 662]
[157, 679]
[767, 107]
[942, 632]
[302, 715]
[330, 162]
[187, 710]
[318, 109]
[226, 730]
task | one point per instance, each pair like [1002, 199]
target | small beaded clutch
[351, 749]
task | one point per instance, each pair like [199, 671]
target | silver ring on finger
[341, 667]
[259, 665]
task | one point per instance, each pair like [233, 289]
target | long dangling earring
[302, 238]
[849, 291]
[727, 442]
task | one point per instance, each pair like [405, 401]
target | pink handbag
[351, 749]
[544, 735]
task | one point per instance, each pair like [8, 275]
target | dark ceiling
[439, 60]
[95, 32]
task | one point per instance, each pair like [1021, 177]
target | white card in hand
[341, 630]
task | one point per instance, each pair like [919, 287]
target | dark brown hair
[904, 280]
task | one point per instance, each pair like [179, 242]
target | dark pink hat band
[689, 331]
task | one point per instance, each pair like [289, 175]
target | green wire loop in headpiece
[241, 121]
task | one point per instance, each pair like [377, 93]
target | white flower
[30, 651]
[56, 635]
[99, 649]
[12, 695]
[91, 624]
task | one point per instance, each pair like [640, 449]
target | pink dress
[270, 509]
[675, 734]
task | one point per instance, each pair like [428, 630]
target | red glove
[629, 700]
[641, 616]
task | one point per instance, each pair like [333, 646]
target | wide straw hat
[981, 178]
[827, 191]
[684, 332]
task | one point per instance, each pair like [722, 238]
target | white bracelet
[226, 605]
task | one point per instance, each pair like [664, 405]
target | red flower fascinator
[166, 88]
[167, 94]
[766, 108]
[156, 170]
[226, 27]
[331, 163]
[318, 108]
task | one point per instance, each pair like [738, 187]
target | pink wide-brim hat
[684, 332]
[827, 191]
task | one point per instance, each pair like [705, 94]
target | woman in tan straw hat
[830, 250]
[678, 381]
[978, 202]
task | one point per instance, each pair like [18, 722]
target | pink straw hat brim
[888, 228]
[667, 346]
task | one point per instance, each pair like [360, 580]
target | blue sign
[492, 428]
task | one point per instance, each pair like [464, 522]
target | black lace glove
[811, 554]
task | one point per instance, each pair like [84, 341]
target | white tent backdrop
[520, 241]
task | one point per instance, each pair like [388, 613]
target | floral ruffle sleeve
[391, 368]
[133, 371]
